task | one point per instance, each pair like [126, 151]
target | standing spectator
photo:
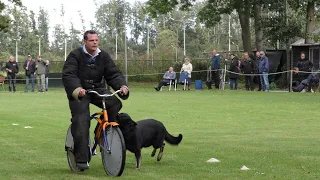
[235, 70]
[47, 74]
[303, 65]
[41, 70]
[247, 67]
[264, 70]
[12, 69]
[215, 70]
[187, 67]
[257, 60]
[169, 75]
[30, 67]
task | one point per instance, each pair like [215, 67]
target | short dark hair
[85, 35]
[302, 52]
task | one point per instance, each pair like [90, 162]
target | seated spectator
[169, 75]
[312, 80]
[187, 67]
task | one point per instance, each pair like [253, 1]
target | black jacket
[304, 65]
[248, 66]
[234, 67]
[31, 68]
[13, 66]
[78, 72]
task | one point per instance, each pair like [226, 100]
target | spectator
[215, 70]
[41, 71]
[12, 69]
[47, 74]
[234, 72]
[187, 67]
[264, 70]
[312, 80]
[247, 67]
[169, 75]
[257, 78]
[303, 65]
[30, 67]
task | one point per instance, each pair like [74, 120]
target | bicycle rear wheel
[113, 151]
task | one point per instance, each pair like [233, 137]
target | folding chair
[2, 79]
[183, 79]
[170, 83]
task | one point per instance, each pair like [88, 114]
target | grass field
[276, 135]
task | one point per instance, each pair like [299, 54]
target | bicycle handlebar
[103, 95]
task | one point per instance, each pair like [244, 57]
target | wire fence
[291, 75]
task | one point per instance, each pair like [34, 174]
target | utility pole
[39, 46]
[184, 39]
[229, 33]
[65, 49]
[125, 55]
[148, 39]
[16, 50]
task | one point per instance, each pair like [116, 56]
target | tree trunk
[258, 26]
[310, 22]
[244, 17]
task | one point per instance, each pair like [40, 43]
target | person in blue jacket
[264, 71]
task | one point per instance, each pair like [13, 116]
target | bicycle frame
[103, 124]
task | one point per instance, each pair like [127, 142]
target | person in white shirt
[187, 67]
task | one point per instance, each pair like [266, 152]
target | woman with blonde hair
[187, 67]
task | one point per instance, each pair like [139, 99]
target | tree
[43, 28]
[5, 19]
[310, 21]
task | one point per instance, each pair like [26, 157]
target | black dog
[145, 133]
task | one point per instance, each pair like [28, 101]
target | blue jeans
[264, 80]
[32, 82]
[235, 81]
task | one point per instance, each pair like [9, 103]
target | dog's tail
[173, 140]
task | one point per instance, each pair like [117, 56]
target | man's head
[245, 55]
[11, 58]
[232, 55]
[39, 58]
[302, 55]
[170, 69]
[91, 41]
[29, 57]
[214, 52]
[262, 53]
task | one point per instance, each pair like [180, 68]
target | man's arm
[173, 75]
[113, 76]
[71, 82]
[266, 65]
[166, 76]
[218, 62]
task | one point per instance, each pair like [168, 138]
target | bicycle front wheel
[113, 151]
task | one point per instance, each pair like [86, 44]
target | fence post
[291, 75]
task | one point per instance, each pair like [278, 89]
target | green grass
[276, 135]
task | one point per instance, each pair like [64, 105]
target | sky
[71, 7]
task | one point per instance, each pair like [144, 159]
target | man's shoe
[82, 166]
[157, 89]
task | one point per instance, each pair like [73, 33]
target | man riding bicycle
[84, 69]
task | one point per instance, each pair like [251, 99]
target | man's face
[302, 56]
[170, 69]
[258, 54]
[214, 52]
[29, 58]
[11, 59]
[245, 56]
[92, 42]
[39, 58]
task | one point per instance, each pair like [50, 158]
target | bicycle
[108, 136]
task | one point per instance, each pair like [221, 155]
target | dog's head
[127, 125]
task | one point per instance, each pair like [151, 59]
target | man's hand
[124, 90]
[82, 92]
